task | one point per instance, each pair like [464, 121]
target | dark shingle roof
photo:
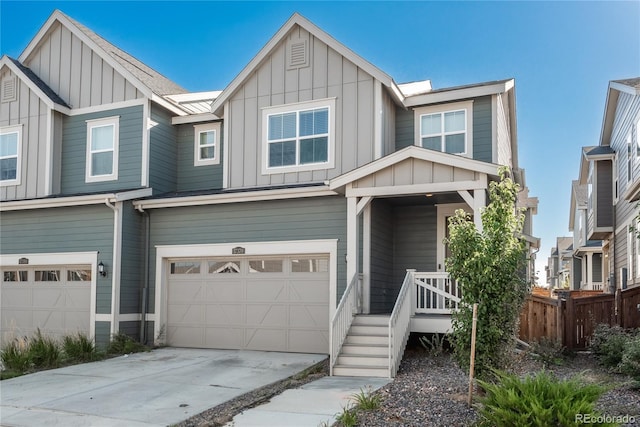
[634, 83]
[39, 83]
[600, 149]
[159, 84]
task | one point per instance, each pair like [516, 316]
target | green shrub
[549, 351]
[608, 344]
[44, 351]
[16, 357]
[79, 348]
[435, 345]
[347, 418]
[630, 363]
[540, 400]
[122, 343]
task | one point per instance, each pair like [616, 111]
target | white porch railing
[436, 293]
[342, 319]
[399, 322]
[594, 286]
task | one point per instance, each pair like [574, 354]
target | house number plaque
[23, 261]
[238, 250]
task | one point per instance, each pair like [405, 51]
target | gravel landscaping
[432, 391]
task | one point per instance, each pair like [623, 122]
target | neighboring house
[588, 261]
[611, 174]
[559, 264]
[259, 217]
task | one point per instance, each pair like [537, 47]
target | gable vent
[8, 90]
[298, 54]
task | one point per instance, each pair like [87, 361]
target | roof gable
[142, 77]
[39, 87]
[298, 20]
[400, 164]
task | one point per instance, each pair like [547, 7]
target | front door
[444, 213]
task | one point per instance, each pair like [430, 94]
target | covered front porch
[397, 211]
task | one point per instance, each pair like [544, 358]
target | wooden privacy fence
[571, 319]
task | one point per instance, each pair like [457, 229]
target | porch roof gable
[409, 156]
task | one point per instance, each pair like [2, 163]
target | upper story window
[10, 153]
[298, 137]
[102, 149]
[206, 144]
[445, 128]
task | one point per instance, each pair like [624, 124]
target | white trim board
[294, 247]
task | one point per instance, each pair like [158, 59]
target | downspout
[144, 303]
[115, 269]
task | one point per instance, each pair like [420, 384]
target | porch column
[590, 269]
[479, 201]
[366, 259]
[352, 237]
[583, 265]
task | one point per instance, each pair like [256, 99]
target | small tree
[489, 267]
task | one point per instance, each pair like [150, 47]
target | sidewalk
[314, 404]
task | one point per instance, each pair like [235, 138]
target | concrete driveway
[158, 388]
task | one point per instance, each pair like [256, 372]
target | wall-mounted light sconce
[101, 270]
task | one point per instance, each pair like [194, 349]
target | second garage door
[277, 303]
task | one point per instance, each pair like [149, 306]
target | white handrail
[399, 324]
[342, 319]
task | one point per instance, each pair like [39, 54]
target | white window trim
[295, 107]
[198, 129]
[467, 106]
[106, 121]
[7, 130]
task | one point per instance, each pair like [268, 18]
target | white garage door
[277, 303]
[55, 299]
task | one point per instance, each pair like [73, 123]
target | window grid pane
[314, 150]
[185, 267]
[266, 266]
[224, 267]
[79, 275]
[15, 276]
[8, 168]
[102, 163]
[9, 144]
[444, 131]
[102, 138]
[47, 275]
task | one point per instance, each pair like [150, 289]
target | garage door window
[47, 275]
[185, 267]
[15, 276]
[224, 267]
[310, 265]
[266, 266]
[79, 275]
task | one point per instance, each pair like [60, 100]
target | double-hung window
[445, 128]
[206, 144]
[10, 150]
[298, 137]
[102, 149]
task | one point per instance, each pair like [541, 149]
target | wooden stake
[473, 352]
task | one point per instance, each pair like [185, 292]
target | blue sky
[562, 55]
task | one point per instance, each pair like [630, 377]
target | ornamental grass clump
[540, 400]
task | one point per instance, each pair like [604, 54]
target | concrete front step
[369, 349]
[361, 371]
[368, 329]
[362, 360]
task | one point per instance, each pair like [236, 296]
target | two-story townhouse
[587, 265]
[611, 173]
[559, 264]
[265, 215]
[81, 127]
